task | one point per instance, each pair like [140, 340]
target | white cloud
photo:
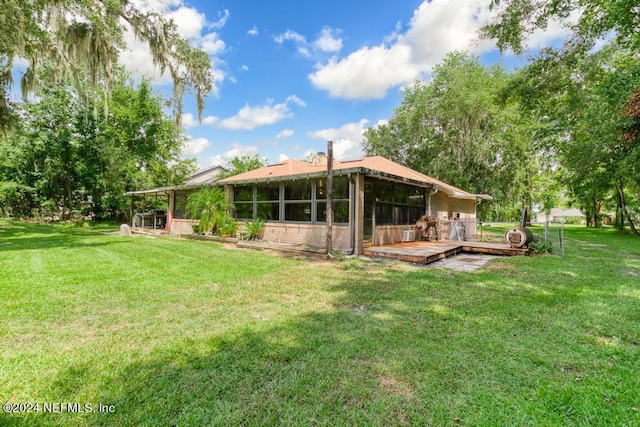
[190, 24]
[327, 41]
[296, 100]
[244, 68]
[249, 117]
[253, 32]
[435, 29]
[222, 20]
[285, 133]
[347, 139]
[299, 40]
[345, 149]
[290, 35]
[282, 157]
[211, 43]
[189, 120]
[209, 120]
[156, 5]
[367, 73]
[195, 146]
[189, 21]
[236, 150]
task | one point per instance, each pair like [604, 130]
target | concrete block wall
[443, 206]
[306, 234]
[181, 226]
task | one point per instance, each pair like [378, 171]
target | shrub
[254, 229]
[227, 225]
[209, 206]
[539, 246]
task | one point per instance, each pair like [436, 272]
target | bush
[539, 246]
[254, 229]
[227, 225]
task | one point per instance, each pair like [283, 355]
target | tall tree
[581, 104]
[240, 164]
[457, 128]
[83, 39]
[517, 19]
[60, 159]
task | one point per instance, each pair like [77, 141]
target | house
[559, 214]
[374, 201]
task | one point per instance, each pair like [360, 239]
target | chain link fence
[554, 235]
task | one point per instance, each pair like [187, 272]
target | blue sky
[292, 75]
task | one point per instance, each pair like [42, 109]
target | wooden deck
[421, 252]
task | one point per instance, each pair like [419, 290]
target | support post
[329, 197]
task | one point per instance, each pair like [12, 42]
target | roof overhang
[165, 190]
[323, 173]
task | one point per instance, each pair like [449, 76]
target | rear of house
[374, 200]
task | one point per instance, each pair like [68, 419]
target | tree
[83, 39]
[61, 160]
[517, 19]
[458, 128]
[584, 118]
[241, 164]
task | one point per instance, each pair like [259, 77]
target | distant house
[374, 200]
[559, 214]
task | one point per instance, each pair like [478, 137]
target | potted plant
[207, 205]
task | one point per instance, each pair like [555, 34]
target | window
[397, 204]
[301, 201]
[340, 212]
[297, 190]
[179, 206]
[263, 199]
[297, 201]
[243, 201]
[268, 201]
[297, 212]
[340, 188]
[340, 200]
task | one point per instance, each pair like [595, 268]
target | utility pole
[329, 197]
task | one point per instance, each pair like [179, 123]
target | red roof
[374, 165]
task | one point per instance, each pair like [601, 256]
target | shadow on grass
[392, 350]
[16, 235]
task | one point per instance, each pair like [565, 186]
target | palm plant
[254, 229]
[207, 205]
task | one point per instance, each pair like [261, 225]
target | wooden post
[329, 197]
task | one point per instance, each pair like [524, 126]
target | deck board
[421, 252]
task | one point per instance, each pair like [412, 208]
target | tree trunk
[619, 214]
[623, 208]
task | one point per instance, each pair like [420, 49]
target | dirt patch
[396, 386]
[500, 266]
[461, 259]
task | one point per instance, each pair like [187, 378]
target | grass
[174, 332]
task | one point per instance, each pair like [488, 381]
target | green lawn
[173, 332]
